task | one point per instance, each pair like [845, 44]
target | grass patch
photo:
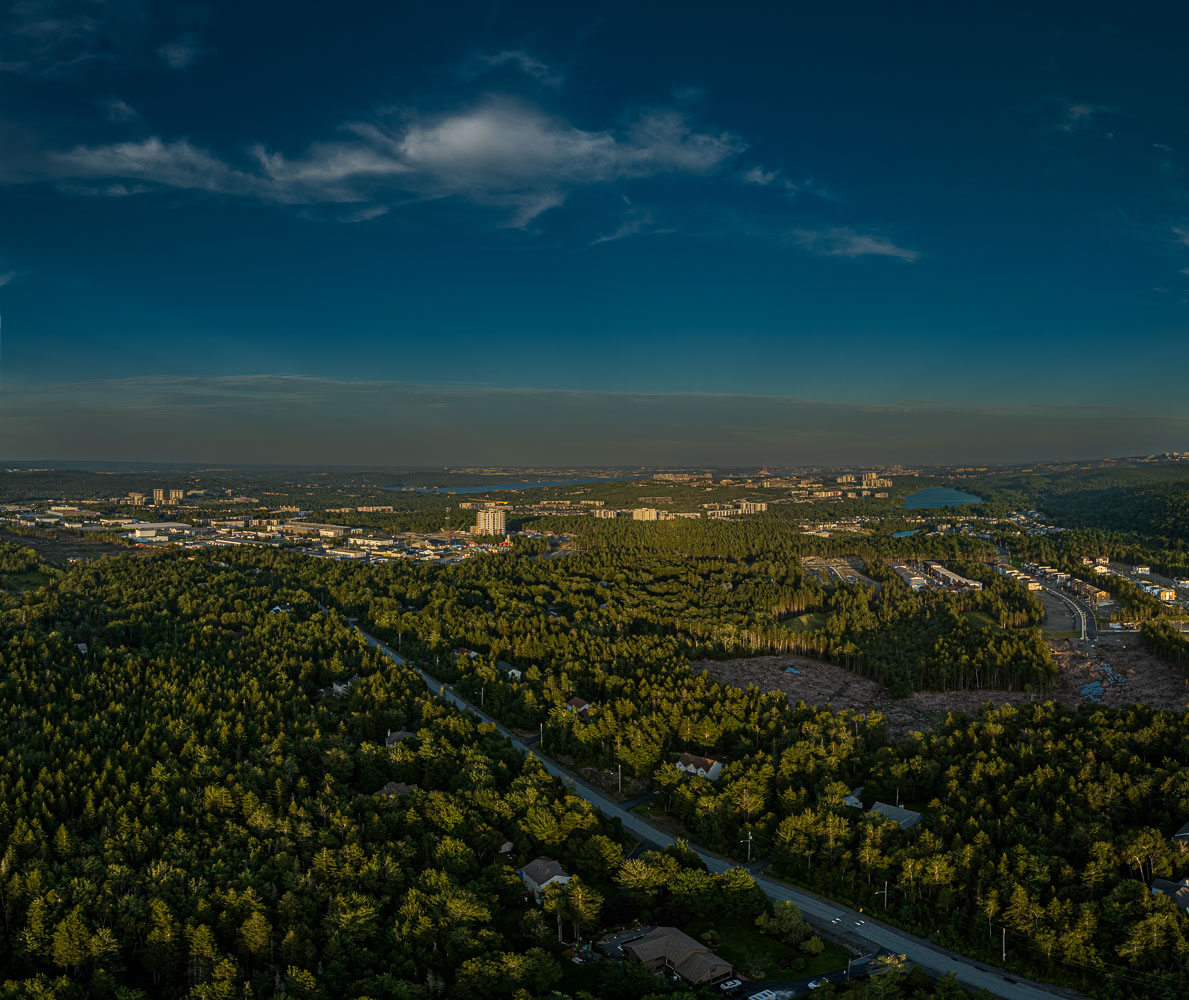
[982, 620]
[807, 622]
[744, 946]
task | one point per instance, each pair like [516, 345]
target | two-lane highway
[823, 912]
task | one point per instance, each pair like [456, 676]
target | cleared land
[1082, 678]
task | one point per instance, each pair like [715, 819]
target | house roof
[398, 737]
[688, 760]
[897, 814]
[541, 870]
[396, 788]
[1182, 833]
[691, 959]
[1178, 892]
[578, 703]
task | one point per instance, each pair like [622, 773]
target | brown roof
[578, 704]
[690, 959]
[692, 760]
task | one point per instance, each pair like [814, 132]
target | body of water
[496, 487]
[939, 496]
[905, 534]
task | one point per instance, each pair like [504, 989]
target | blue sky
[783, 233]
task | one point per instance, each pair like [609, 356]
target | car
[818, 982]
[763, 995]
[730, 984]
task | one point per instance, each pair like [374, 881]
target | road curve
[818, 910]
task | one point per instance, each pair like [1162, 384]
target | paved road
[818, 910]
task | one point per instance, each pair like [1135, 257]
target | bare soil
[1144, 679]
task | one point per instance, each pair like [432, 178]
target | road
[1081, 613]
[817, 910]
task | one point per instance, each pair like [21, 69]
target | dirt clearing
[1107, 674]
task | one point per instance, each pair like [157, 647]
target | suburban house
[666, 949]
[704, 767]
[904, 818]
[508, 670]
[1182, 836]
[395, 788]
[1178, 892]
[579, 705]
[540, 873]
[392, 739]
[854, 798]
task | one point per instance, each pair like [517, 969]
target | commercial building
[491, 521]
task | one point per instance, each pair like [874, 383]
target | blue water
[904, 534]
[939, 496]
[512, 486]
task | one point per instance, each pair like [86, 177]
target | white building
[491, 521]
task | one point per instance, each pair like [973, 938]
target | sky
[666, 233]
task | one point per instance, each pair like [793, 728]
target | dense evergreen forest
[185, 812]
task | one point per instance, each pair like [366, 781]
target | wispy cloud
[179, 53]
[500, 154]
[1181, 233]
[760, 176]
[116, 110]
[637, 222]
[842, 241]
[1078, 115]
[525, 62]
[52, 38]
[7, 277]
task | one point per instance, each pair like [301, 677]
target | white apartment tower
[491, 521]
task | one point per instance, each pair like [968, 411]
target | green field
[749, 951]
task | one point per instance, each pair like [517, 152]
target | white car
[763, 995]
[818, 982]
[730, 984]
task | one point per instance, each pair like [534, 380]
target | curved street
[830, 916]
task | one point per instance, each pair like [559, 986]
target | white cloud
[526, 63]
[500, 154]
[7, 277]
[760, 176]
[1079, 115]
[1182, 234]
[179, 53]
[54, 38]
[115, 110]
[842, 241]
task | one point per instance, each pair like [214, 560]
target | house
[666, 949]
[904, 818]
[280, 608]
[579, 705]
[704, 767]
[394, 789]
[506, 847]
[541, 873]
[1178, 892]
[854, 798]
[1182, 836]
[508, 669]
[392, 739]
[81, 647]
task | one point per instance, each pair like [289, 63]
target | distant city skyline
[625, 235]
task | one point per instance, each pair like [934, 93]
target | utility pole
[748, 846]
[1004, 929]
[482, 695]
[620, 779]
[542, 740]
[885, 894]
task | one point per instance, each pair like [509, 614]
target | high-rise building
[177, 496]
[491, 521]
[158, 497]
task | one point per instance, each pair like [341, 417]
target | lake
[905, 534]
[939, 496]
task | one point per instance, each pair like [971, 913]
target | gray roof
[396, 788]
[541, 870]
[690, 959]
[398, 737]
[1178, 892]
[897, 814]
[1182, 833]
